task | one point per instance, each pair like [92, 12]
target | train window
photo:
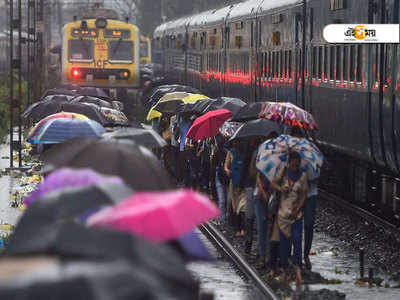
[352, 61]
[120, 51]
[81, 50]
[345, 64]
[338, 63]
[359, 64]
[319, 62]
[332, 63]
[238, 42]
[314, 62]
[252, 35]
[337, 4]
[213, 42]
[276, 38]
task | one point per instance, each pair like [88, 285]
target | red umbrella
[208, 125]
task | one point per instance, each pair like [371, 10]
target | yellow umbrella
[153, 114]
[192, 98]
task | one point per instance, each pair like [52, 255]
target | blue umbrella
[56, 131]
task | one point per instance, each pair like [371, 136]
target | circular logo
[360, 32]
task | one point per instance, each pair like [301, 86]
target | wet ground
[221, 278]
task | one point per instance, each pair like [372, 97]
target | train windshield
[144, 49]
[81, 50]
[120, 51]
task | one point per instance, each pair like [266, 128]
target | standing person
[174, 144]
[218, 156]
[182, 130]
[309, 219]
[291, 181]
[233, 168]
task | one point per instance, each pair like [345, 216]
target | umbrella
[72, 202]
[231, 104]
[48, 278]
[194, 108]
[62, 115]
[74, 241]
[160, 91]
[92, 111]
[70, 86]
[145, 137]
[48, 106]
[208, 125]
[248, 112]
[94, 92]
[273, 155]
[59, 91]
[136, 165]
[288, 114]
[94, 100]
[114, 116]
[66, 178]
[153, 114]
[56, 131]
[169, 102]
[256, 128]
[192, 247]
[157, 216]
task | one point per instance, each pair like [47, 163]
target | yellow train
[102, 51]
[145, 50]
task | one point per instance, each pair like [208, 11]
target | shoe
[307, 263]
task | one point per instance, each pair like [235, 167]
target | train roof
[218, 15]
[273, 4]
[243, 9]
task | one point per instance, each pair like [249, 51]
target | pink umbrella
[158, 216]
[208, 125]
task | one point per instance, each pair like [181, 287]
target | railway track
[225, 246]
[358, 210]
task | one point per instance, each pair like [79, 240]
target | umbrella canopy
[49, 278]
[72, 202]
[136, 165]
[288, 114]
[66, 178]
[194, 108]
[256, 128]
[145, 137]
[94, 92]
[114, 116]
[62, 115]
[250, 111]
[48, 106]
[208, 125]
[153, 114]
[94, 100]
[59, 91]
[231, 104]
[157, 216]
[193, 98]
[273, 155]
[56, 131]
[160, 91]
[92, 111]
[169, 102]
[192, 247]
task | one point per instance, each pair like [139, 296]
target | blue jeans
[223, 197]
[260, 208]
[309, 218]
[285, 247]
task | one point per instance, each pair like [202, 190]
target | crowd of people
[226, 169]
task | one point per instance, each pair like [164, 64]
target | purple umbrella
[66, 177]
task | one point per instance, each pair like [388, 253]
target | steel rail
[225, 246]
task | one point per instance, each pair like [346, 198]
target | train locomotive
[274, 50]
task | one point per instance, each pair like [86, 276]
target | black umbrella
[74, 201]
[114, 116]
[197, 108]
[93, 100]
[70, 86]
[70, 241]
[160, 91]
[136, 165]
[256, 128]
[231, 104]
[248, 112]
[59, 91]
[92, 111]
[83, 280]
[145, 137]
[49, 105]
[94, 92]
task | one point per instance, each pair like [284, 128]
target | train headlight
[101, 22]
[76, 73]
